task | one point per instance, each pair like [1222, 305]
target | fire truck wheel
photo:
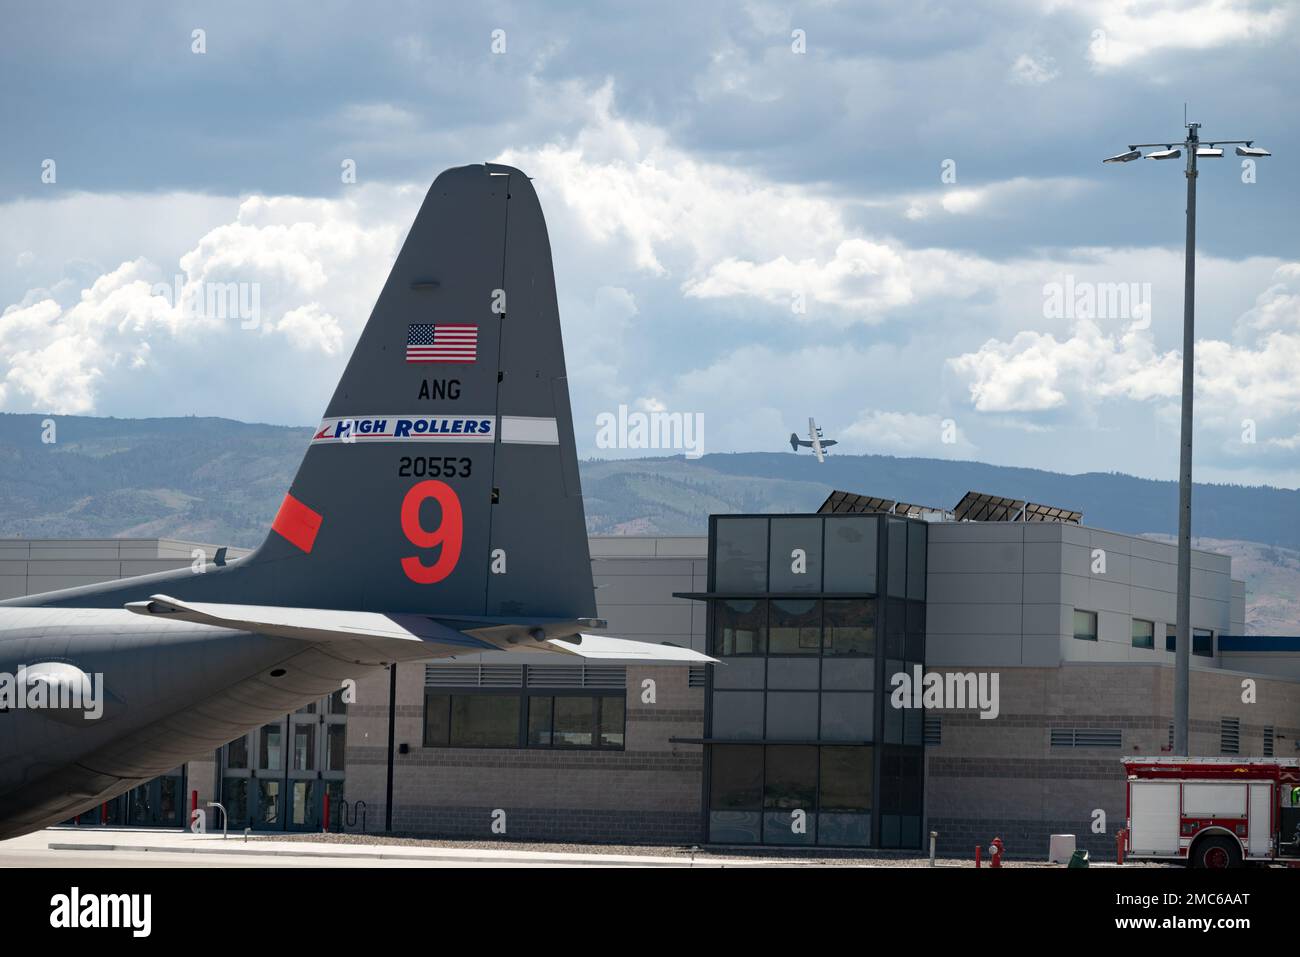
[1216, 851]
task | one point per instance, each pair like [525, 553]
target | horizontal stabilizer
[405, 636]
[623, 649]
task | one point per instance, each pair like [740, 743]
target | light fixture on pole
[1194, 148]
[1128, 157]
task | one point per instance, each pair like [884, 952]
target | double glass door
[275, 778]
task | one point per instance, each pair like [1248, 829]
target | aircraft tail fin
[444, 476]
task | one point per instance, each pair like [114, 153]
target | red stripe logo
[298, 523]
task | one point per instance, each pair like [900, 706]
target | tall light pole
[1183, 646]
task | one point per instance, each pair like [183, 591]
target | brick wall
[1001, 776]
[647, 793]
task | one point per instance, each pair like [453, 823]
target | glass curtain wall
[813, 616]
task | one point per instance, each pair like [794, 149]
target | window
[1144, 633]
[736, 783]
[900, 797]
[846, 779]
[916, 542]
[796, 555]
[237, 753]
[739, 627]
[895, 628]
[336, 739]
[235, 797]
[576, 721]
[791, 778]
[304, 747]
[337, 703]
[795, 627]
[485, 721]
[612, 716]
[1085, 625]
[540, 713]
[269, 752]
[1268, 742]
[437, 720]
[850, 553]
[900, 772]
[915, 618]
[1202, 641]
[471, 720]
[268, 798]
[850, 626]
[740, 558]
[1230, 736]
[897, 566]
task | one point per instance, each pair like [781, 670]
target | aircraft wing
[408, 636]
[815, 438]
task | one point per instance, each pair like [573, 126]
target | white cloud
[1036, 371]
[1126, 31]
[989, 199]
[310, 329]
[243, 293]
[1278, 306]
[1256, 377]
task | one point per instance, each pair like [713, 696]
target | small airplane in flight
[814, 441]
[425, 521]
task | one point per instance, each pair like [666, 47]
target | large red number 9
[447, 535]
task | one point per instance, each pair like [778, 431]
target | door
[302, 788]
[1260, 841]
[275, 778]
[1153, 818]
[266, 791]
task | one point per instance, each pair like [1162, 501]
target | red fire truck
[1213, 812]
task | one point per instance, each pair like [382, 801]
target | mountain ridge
[220, 480]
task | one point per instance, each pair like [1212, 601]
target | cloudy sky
[890, 216]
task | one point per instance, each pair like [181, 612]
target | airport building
[887, 670]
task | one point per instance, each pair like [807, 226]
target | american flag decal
[427, 342]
